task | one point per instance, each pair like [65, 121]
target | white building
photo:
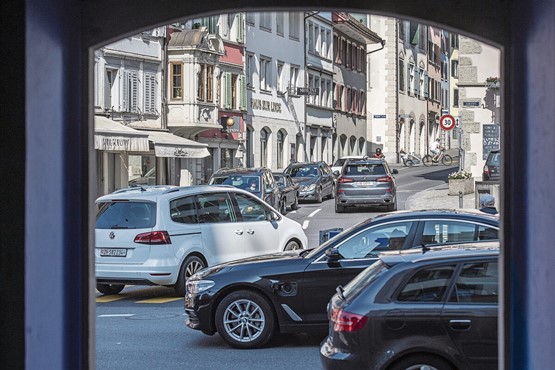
[479, 102]
[274, 66]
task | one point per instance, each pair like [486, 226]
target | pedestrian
[487, 204]
[378, 154]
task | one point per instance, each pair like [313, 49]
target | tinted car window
[487, 233]
[370, 242]
[365, 278]
[305, 171]
[251, 209]
[477, 283]
[183, 210]
[364, 169]
[427, 285]
[245, 182]
[441, 232]
[216, 207]
[126, 215]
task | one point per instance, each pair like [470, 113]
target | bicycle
[443, 157]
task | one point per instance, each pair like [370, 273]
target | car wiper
[305, 252]
[340, 291]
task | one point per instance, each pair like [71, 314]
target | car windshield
[364, 278]
[304, 171]
[126, 215]
[339, 162]
[280, 179]
[246, 182]
[332, 241]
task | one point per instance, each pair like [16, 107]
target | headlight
[197, 286]
[310, 187]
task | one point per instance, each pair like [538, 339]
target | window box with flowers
[461, 181]
[492, 82]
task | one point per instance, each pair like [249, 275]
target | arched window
[264, 135]
[280, 145]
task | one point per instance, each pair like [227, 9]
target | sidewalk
[437, 197]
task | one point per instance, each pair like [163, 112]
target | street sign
[308, 90]
[447, 122]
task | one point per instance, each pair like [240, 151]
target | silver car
[366, 182]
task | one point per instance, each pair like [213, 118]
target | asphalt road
[143, 327]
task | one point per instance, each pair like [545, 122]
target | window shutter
[125, 100]
[134, 86]
[148, 83]
[242, 93]
[416, 82]
[408, 79]
[426, 85]
[241, 28]
[228, 91]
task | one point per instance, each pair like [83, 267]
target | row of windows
[349, 54]
[319, 40]
[285, 77]
[419, 84]
[130, 91]
[230, 87]
[266, 22]
[350, 100]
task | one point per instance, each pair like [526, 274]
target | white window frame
[265, 73]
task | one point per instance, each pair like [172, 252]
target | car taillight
[384, 179]
[153, 237]
[344, 179]
[344, 321]
[486, 169]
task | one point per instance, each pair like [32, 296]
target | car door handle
[460, 324]
[239, 232]
[250, 231]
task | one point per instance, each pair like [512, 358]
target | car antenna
[425, 248]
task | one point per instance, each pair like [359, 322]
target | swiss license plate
[113, 252]
[365, 183]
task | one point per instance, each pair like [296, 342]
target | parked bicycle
[442, 158]
[409, 159]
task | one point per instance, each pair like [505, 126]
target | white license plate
[365, 183]
[113, 252]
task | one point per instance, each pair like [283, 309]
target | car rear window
[362, 169]
[364, 278]
[126, 215]
[494, 159]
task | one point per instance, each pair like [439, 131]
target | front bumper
[307, 194]
[198, 308]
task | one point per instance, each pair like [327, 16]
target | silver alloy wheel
[244, 320]
[192, 267]
[291, 246]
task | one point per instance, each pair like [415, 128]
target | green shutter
[240, 28]
[242, 93]
[228, 91]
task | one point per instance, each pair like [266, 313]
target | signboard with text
[308, 90]
[490, 134]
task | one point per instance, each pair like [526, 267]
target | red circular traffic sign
[447, 122]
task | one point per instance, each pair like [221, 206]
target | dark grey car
[316, 180]
[366, 182]
[289, 192]
[425, 308]
[492, 167]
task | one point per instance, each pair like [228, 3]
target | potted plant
[460, 181]
[492, 82]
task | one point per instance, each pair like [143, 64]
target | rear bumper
[334, 358]
[362, 201]
[136, 275]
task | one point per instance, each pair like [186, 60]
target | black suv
[315, 179]
[260, 181]
[366, 182]
[419, 309]
[249, 300]
[492, 167]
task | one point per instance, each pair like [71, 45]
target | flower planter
[458, 185]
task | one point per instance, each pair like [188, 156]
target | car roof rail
[144, 188]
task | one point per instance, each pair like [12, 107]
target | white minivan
[161, 235]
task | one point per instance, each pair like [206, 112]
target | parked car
[492, 167]
[366, 182]
[288, 292]
[258, 181]
[315, 179]
[289, 192]
[162, 235]
[418, 309]
[149, 178]
[341, 161]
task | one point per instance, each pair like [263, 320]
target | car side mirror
[274, 216]
[395, 171]
[333, 256]
[336, 173]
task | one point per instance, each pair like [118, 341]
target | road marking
[313, 213]
[160, 300]
[110, 298]
[118, 315]
[305, 224]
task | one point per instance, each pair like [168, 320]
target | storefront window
[142, 170]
